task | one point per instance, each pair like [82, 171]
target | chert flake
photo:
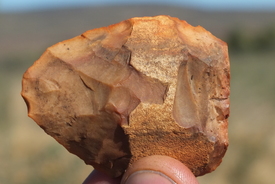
[145, 86]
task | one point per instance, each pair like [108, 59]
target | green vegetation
[244, 40]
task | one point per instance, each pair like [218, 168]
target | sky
[27, 5]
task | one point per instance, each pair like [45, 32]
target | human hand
[155, 169]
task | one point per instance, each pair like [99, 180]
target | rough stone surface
[145, 86]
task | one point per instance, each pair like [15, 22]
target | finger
[97, 177]
[158, 170]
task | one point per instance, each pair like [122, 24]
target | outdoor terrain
[29, 156]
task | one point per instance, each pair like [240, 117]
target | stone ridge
[144, 86]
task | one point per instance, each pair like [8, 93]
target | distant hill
[35, 31]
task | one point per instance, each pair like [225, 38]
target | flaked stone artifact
[145, 86]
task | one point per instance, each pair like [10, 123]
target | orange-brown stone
[145, 86]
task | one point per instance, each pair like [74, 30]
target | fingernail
[148, 176]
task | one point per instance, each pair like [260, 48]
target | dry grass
[29, 156]
[251, 131]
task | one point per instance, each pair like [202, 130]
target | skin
[154, 169]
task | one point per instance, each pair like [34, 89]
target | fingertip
[97, 177]
[158, 169]
[148, 176]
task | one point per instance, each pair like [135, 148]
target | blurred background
[27, 28]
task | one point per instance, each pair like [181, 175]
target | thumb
[158, 169]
